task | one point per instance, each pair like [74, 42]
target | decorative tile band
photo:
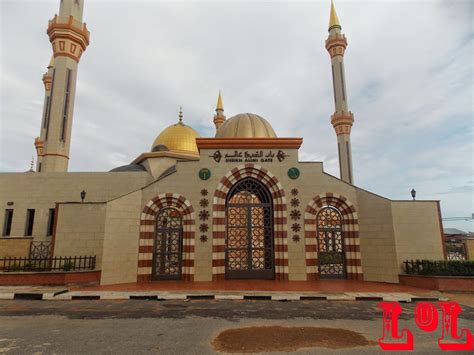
[279, 218]
[350, 230]
[147, 225]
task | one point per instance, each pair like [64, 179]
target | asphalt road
[185, 327]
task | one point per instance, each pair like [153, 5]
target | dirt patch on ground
[260, 339]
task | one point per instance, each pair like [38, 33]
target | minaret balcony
[39, 145]
[342, 122]
[68, 37]
[219, 119]
[47, 81]
[336, 44]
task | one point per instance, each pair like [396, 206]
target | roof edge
[231, 143]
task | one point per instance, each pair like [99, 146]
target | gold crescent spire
[220, 106]
[333, 19]
[180, 114]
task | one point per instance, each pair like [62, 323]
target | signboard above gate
[249, 156]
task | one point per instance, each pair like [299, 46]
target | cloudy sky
[408, 67]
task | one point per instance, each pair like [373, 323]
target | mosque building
[239, 205]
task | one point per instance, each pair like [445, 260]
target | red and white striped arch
[350, 231]
[279, 218]
[147, 234]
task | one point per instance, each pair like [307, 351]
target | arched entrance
[249, 244]
[350, 234]
[168, 245]
[331, 259]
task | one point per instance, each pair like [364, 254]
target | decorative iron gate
[40, 250]
[167, 252]
[249, 245]
[331, 258]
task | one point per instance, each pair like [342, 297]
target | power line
[458, 219]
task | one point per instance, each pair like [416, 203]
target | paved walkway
[331, 286]
[231, 290]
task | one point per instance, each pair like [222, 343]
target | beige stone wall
[470, 249]
[41, 191]
[312, 182]
[377, 239]
[18, 247]
[389, 231]
[376, 214]
[417, 230]
[187, 183]
[122, 227]
[80, 230]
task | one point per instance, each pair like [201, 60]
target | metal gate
[331, 260]
[167, 252]
[249, 250]
[40, 250]
[456, 250]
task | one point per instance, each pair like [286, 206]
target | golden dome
[246, 125]
[177, 138]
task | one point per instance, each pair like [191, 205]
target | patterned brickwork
[147, 234]
[350, 227]
[279, 218]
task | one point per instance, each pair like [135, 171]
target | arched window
[167, 252]
[331, 257]
[249, 243]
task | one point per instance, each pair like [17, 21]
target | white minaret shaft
[342, 119]
[73, 8]
[69, 38]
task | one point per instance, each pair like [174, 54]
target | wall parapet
[440, 283]
[52, 278]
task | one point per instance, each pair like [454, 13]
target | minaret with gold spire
[219, 117]
[180, 115]
[39, 141]
[69, 38]
[342, 119]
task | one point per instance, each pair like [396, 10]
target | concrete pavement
[185, 326]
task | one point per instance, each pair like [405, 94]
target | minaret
[219, 117]
[39, 141]
[180, 115]
[342, 119]
[69, 38]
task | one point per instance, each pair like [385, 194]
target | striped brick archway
[350, 230]
[147, 234]
[279, 218]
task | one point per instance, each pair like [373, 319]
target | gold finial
[51, 62]
[333, 19]
[220, 106]
[180, 114]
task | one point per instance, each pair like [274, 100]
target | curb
[32, 295]
[65, 295]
